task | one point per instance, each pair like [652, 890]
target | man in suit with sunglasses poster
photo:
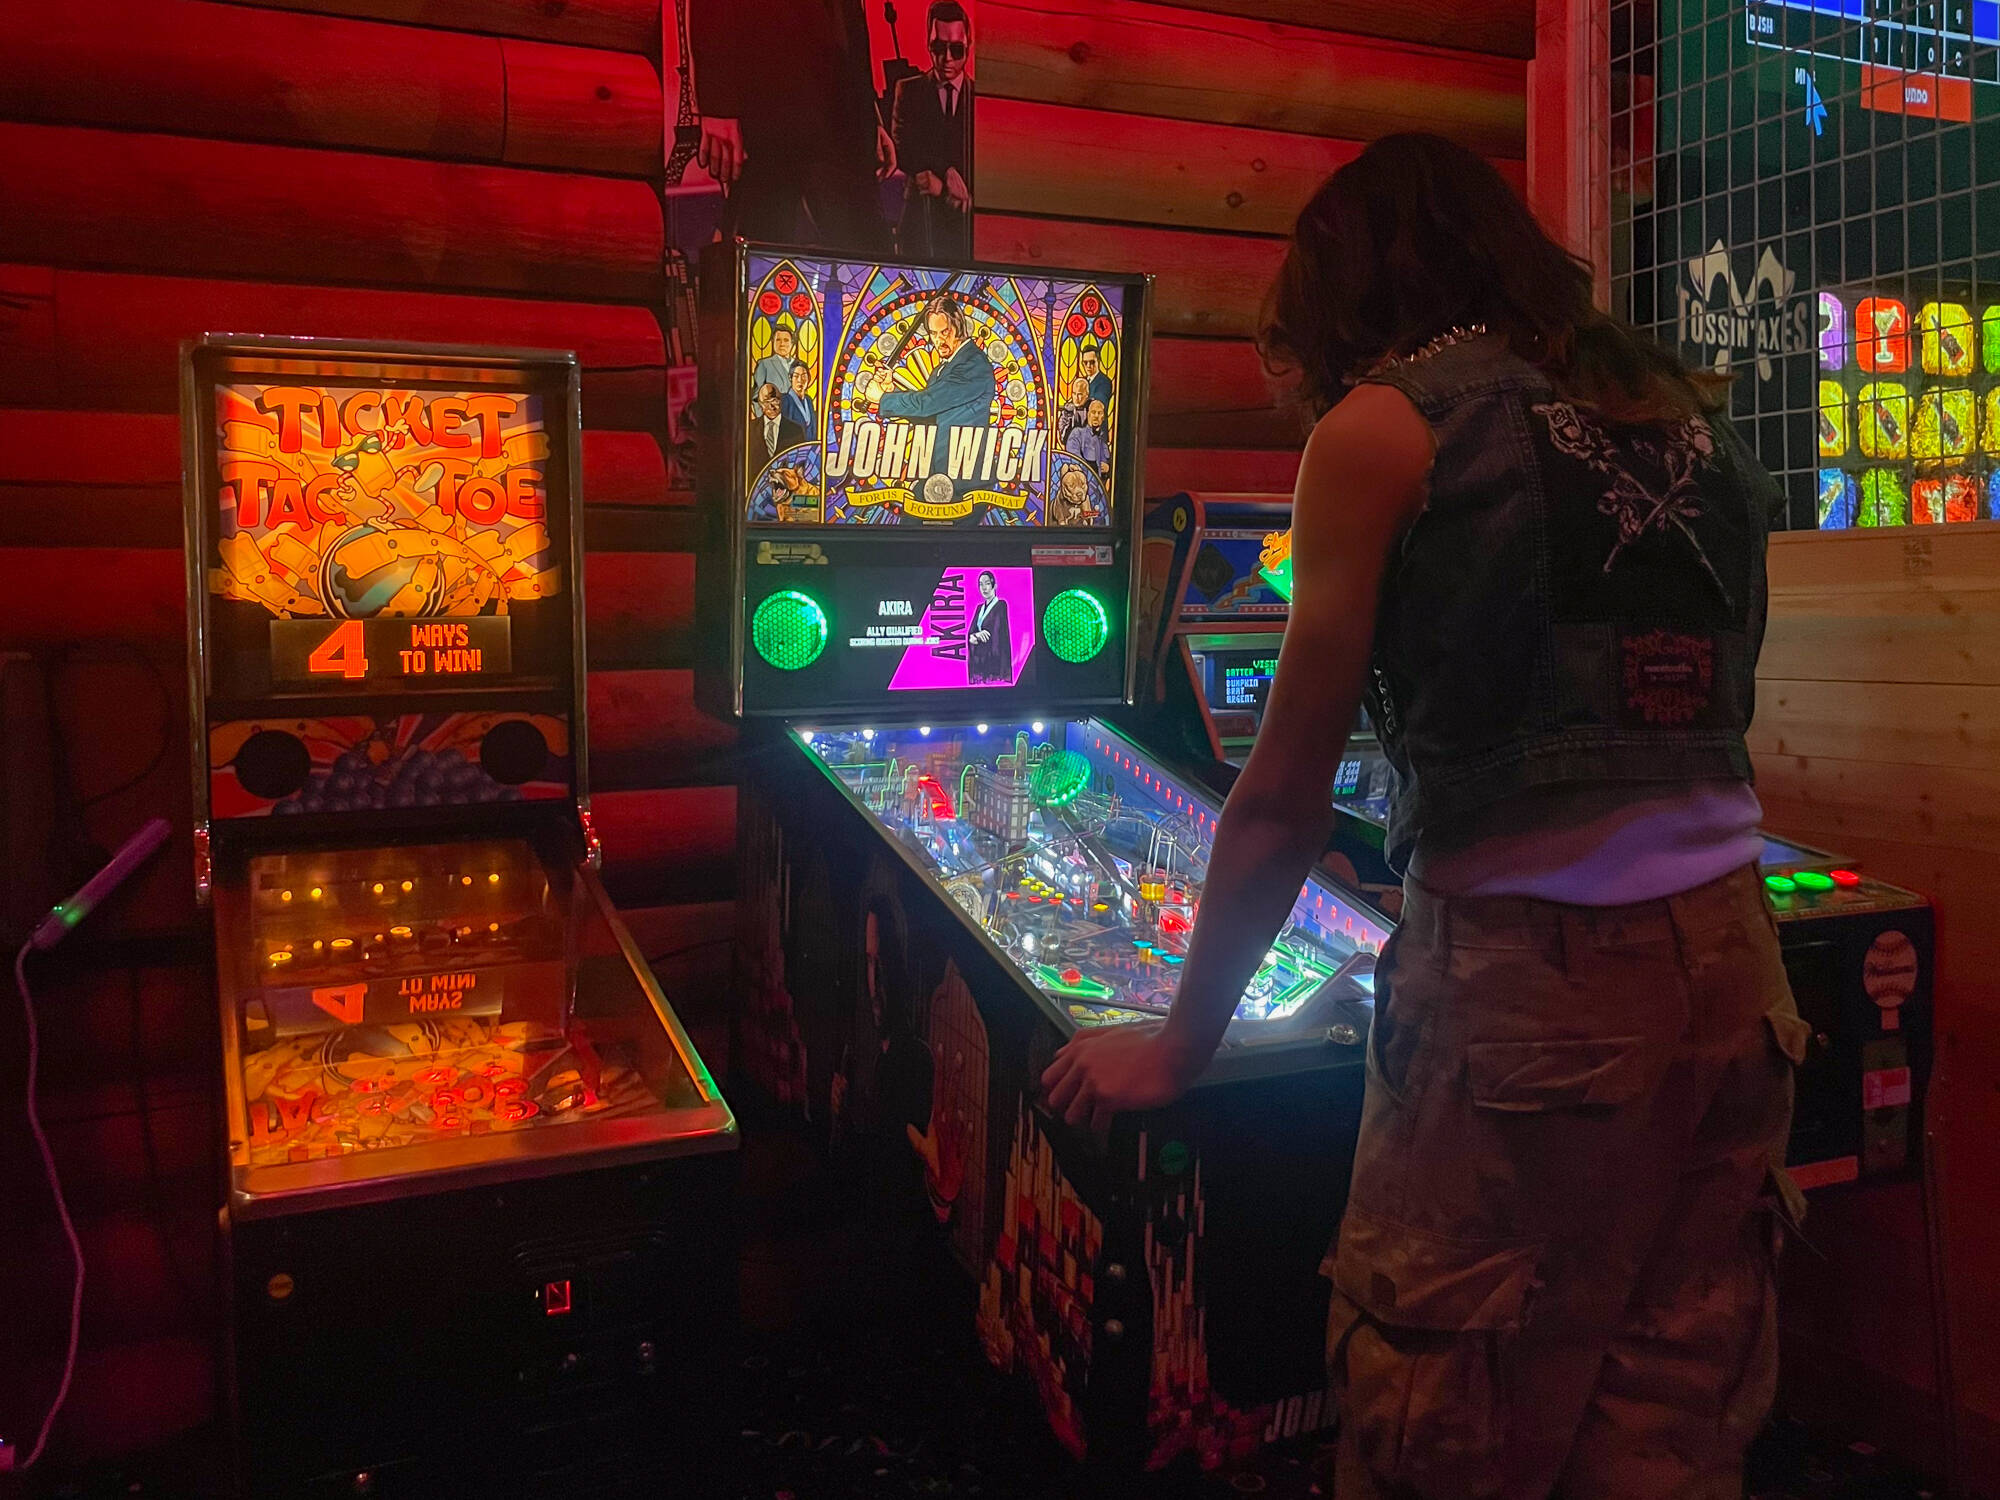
[789, 125]
[931, 124]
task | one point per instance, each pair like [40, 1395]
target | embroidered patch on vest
[1676, 455]
[1669, 677]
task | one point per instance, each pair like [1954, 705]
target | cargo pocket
[1753, 1387]
[1418, 1341]
[1532, 1076]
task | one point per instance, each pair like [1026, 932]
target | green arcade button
[1075, 625]
[789, 630]
[1813, 880]
[1782, 885]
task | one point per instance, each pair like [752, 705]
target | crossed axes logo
[1758, 317]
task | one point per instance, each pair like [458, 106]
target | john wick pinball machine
[474, 1165]
[916, 591]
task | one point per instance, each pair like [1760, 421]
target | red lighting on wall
[555, 1298]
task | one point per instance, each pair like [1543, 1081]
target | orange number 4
[342, 652]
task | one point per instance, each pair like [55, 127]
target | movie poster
[842, 125]
[898, 395]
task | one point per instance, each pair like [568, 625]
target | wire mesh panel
[1806, 195]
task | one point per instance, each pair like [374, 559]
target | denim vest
[1579, 601]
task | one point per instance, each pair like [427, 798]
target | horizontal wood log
[1207, 283]
[1939, 559]
[150, 1275]
[691, 949]
[119, 200]
[1949, 806]
[1269, 471]
[1506, 27]
[196, 67]
[583, 109]
[645, 731]
[1153, 59]
[1092, 164]
[103, 1418]
[623, 25]
[1883, 634]
[639, 608]
[1209, 393]
[192, 67]
[93, 340]
[672, 845]
[1896, 723]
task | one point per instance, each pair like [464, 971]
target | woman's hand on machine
[1103, 1073]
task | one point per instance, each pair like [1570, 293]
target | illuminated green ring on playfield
[1060, 778]
[1076, 625]
[789, 630]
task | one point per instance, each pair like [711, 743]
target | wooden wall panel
[1878, 734]
[1267, 471]
[119, 200]
[675, 845]
[1895, 723]
[1091, 164]
[1207, 392]
[587, 110]
[1205, 283]
[87, 340]
[622, 25]
[1505, 27]
[1152, 59]
[196, 67]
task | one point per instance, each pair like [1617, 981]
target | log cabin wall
[465, 171]
[1878, 736]
[1183, 139]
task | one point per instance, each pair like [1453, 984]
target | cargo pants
[1555, 1275]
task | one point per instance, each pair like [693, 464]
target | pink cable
[62, 1208]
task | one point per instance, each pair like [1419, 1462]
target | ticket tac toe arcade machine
[1215, 594]
[916, 589]
[474, 1162]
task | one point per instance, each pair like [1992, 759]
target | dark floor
[885, 1417]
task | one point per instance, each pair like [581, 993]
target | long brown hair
[1418, 235]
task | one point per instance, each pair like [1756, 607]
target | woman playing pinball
[1535, 545]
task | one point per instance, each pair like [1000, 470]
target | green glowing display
[1060, 778]
[1076, 625]
[789, 630]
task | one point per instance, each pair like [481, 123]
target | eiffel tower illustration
[687, 126]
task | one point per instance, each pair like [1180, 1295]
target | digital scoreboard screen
[318, 651]
[1917, 57]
